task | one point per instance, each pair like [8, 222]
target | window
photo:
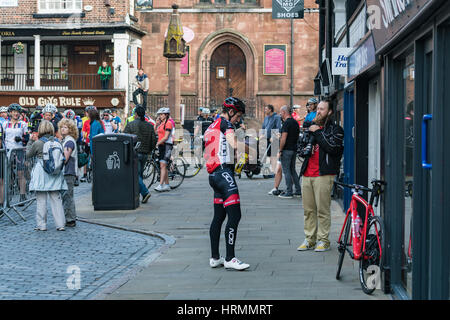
[54, 61]
[227, 2]
[8, 3]
[7, 60]
[59, 6]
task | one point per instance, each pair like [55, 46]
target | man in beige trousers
[318, 173]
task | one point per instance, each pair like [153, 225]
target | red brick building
[231, 45]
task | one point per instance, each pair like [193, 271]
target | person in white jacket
[44, 184]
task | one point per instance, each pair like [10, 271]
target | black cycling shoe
[71, 224]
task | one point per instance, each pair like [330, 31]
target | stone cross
[174, 51]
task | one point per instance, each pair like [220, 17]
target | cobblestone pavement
[44, 265]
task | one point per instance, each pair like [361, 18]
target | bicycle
[176, 168]
[192, 161]
[367, 237]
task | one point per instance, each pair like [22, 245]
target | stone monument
[174, 51]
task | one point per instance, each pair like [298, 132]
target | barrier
[15, 176]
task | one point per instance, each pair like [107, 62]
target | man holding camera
[319, 171]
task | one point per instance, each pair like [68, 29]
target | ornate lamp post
[174, 51]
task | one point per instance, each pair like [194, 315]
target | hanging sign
[339, 61]
[288, 9]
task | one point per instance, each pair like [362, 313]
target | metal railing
[52, 82]
[15, 177]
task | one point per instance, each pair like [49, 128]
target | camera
[35, 121]
[306, 141]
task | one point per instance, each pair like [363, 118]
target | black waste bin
[115, 177]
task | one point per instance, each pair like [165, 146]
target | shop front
[412, 38]
[62, 65]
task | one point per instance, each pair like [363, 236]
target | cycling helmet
[37, 114]
[14, 106]
[163, 110]
[50, 108]
[206, 111]
[313, 101]
[296, 106]
[3, 109]
[235, 104]
[69, 114]
[88, 108]
[108, 111]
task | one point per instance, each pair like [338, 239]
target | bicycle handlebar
[353, 186]
[376, 191]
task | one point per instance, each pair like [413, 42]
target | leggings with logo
[226, 203]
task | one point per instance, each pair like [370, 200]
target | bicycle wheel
[148, 170]
[177, 172]
[371, 260]
[154, 175]
[342, 246]
[193, 165]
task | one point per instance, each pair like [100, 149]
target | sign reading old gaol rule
[288, 9]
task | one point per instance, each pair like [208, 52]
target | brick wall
[259, 28]
[23, 14]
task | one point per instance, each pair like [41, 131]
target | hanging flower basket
[18, 47]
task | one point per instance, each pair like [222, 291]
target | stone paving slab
[269, 233]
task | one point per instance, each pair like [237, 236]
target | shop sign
[57, 101]
[339, 61]
[144, 5]
[83, 33]
[362, 58]
[7, 34]
[387, 17]
[288, 9]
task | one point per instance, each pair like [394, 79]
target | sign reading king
[288, 9]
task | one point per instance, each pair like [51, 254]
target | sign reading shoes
[288, 9]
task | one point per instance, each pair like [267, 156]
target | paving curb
[168, 242]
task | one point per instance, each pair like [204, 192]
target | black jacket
[331, 148]
[145, 135]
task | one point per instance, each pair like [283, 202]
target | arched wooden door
[228, 73]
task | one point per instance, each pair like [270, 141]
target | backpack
[53, 156]
[83, 159]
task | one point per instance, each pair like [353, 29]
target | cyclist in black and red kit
[219, 144]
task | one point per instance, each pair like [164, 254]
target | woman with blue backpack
[47, 177]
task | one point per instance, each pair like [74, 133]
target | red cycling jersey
[217, 150]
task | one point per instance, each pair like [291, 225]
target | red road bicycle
[366, 241]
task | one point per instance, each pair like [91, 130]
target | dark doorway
[228, 73]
